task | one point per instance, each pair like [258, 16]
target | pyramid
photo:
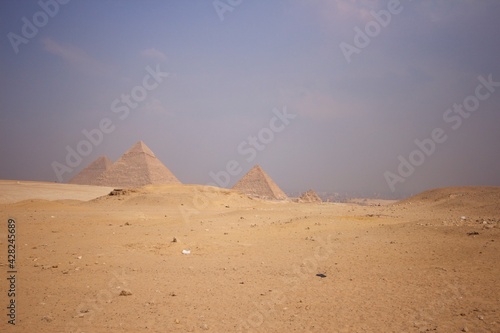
[137, 167]
[257, 183]
[89, 175]
[310, 196]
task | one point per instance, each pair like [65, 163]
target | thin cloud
[445, 10]
[155, 107]
[317, 105]
[154, 54]
[75, 57]
[350, 10]
[333, 13]
[358, 9]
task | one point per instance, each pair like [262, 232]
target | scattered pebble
[125, 293]
[48, 319]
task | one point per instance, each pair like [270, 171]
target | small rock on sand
[125, 293]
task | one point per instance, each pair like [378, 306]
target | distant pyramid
[137, 167]
[89, 175]
[257, 183]
[310, 196]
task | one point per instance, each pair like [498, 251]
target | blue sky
[231, 63]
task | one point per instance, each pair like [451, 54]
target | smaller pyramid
[89, 175]
[310, 196]
[256, 183]
[137, 167]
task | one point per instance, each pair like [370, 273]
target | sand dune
[485, 198]
[93, 262]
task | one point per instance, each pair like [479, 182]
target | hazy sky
[201, 82]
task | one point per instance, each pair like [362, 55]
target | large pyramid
[137, 167]
[257, 183]
[89, 175]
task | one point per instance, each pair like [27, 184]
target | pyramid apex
[104, 159]
[258, 168]
[140, 147]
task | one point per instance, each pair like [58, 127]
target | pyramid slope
[258, 184]
[89, 175]
[310, 196]
[137, 167]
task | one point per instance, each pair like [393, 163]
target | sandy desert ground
[91, 262]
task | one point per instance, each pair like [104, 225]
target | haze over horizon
[361, 96]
